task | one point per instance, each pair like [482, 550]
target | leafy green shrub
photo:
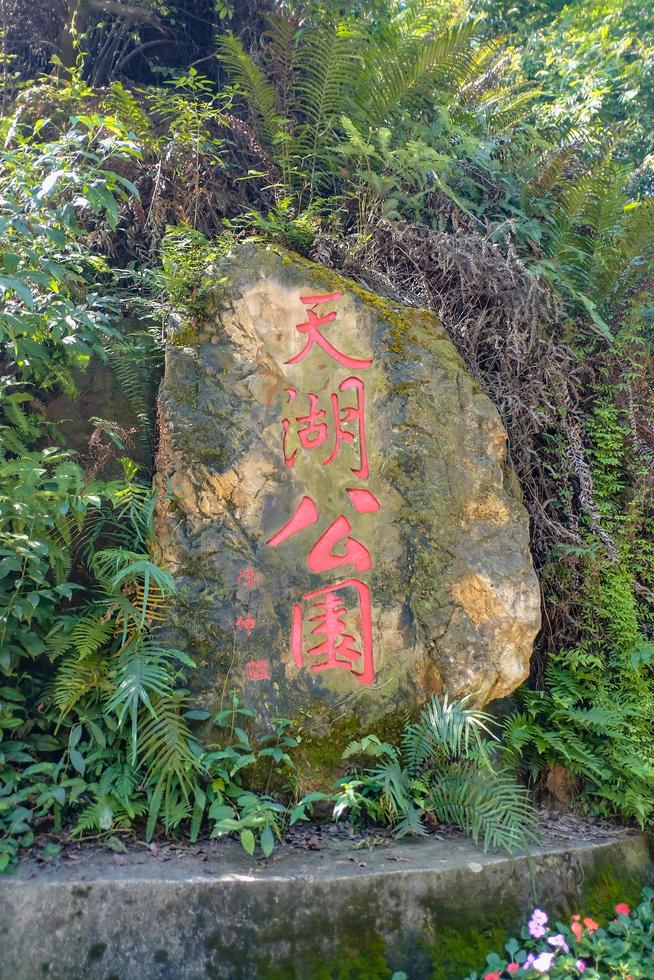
[443, 772]
[256, 817]
[55, 311]
[95, 721]
[623, 948]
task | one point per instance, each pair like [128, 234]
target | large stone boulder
[336, 505]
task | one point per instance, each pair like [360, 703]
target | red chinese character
[257, 670]
[312, 430]
[363, 501]
[322, 557]
[351, 415]
[311, 328]
[246, 624]
[306, 513]
[337, 647]
[247, 576]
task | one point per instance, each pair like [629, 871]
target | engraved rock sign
[335, 502]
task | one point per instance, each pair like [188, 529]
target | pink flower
[591, 925]
[581, 965]
[559, 942]
[512, 967]
[492, 976]
[622, 909]
[576, 928]
[537, 924]
[527, 963]
[543, 962]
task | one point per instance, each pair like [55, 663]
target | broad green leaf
[247, 840]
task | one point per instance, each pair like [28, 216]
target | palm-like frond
[445, 730]
[120, 570]
[444, 770]
[396, 790]
[140, 671]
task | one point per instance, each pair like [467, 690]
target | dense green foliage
[441, 773]
[491, 161]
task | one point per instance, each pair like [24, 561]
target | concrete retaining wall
[429, 908]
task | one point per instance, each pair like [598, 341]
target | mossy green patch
[319, 760]
[607, 884]
[356, 960]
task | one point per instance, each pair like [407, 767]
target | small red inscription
[311, 327]
[337, 648]
[246, 624]
[248, 576]
[257, 670]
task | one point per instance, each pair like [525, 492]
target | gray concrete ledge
[430, 908]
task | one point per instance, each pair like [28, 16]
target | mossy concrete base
[432, 909]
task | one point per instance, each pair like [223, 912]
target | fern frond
[141, 671]
[327, 62]
[396, 72]
[506, 107]
[134, 360]
[119, 570]
[90, 634]
[490, 807]
[77, 678]
[281, 37]
[554, 175]
[260, 94]
[369, 745]
[164, 745]
[124, 105]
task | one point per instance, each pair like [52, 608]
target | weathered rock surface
[405, 567]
